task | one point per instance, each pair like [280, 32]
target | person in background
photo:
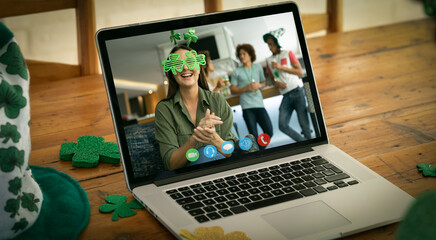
[215, 84]
[285, 71]
[247, 80]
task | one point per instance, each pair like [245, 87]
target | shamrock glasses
[192, 60]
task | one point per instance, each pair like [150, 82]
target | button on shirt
[174, 125]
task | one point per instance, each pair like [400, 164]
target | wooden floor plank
[399, 167]
[58, 115]
[372, 40]
[367, 98]
[375, 67]
[386, 132]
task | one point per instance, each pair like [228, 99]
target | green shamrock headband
[192, 60]
[190, 36]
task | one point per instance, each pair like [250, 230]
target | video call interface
[140, 82]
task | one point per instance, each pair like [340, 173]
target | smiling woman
[191, 117]
[179, 58]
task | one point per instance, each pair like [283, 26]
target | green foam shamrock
[11, 98]
[190, 36]
[427, 170]
[89, 150]
[117, 203]
[9, 131]
[174, 36]
[15, 61]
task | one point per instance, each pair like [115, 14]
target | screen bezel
[108, 34]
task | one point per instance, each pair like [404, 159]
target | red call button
[263, 139]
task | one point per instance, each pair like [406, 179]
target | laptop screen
[211, 92]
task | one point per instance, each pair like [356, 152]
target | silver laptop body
[354, 198]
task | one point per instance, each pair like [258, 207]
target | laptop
[270, 187]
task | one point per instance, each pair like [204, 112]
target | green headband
[192, 60]
[189, 36]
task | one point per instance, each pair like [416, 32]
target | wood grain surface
[377, 87]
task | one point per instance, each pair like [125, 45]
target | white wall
[52, 36]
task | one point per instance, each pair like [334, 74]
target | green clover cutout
[29, 201]
[89, 151]
[193, 60]
[11, 98]
[15, 185]
[173, 63]
[9, 131]
[190, 36]
[120, 208]
[427, 170]
[21, 225]
[12, 206]
[174, 36]
[11, 157]
[15, 61]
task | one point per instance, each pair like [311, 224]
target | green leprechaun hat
[35, 202]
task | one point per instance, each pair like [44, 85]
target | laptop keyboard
[262, 187]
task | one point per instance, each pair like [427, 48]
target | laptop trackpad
[306, 219]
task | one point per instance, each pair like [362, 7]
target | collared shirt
[241, 77]
[174, 125]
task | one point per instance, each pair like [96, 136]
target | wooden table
[378, 91]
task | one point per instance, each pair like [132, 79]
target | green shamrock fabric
[9, 132]
[11, 99]
[15, 185]
[117, 204]
[20, 196]
[11, 158]
[89, 151]
[65, 210]
[14, 61]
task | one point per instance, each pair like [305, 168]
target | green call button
[192, 155]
